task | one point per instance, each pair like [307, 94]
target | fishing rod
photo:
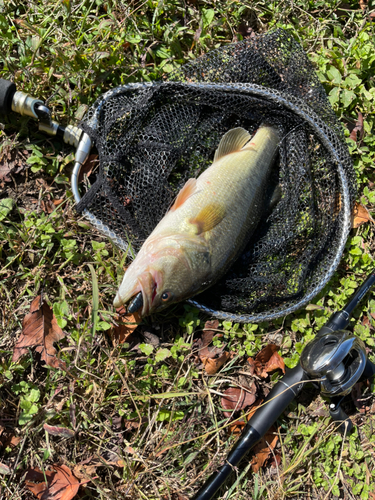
[336, 357]
[12, 100]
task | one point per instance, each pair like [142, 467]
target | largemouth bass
[208, 226]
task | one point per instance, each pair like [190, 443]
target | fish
[210, 222]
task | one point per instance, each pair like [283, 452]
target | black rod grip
[276, 402]
[278, 399]
[7, 91]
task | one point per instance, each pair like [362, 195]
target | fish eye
[166, 296]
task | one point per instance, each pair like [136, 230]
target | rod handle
[7, 91]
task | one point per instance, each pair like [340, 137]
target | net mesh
[152, 137]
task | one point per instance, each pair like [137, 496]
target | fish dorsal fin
[234, 140]
[184, 194]
[208, 217]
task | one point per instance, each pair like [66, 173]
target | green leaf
[146, 349]
[33, 395]
[133, 38]
[6, 206]
[164, 415]
[347, 97]
[334, 95]
[334, 75]
[162, 354]
[352, 81]
[207, 17]
[61, 310]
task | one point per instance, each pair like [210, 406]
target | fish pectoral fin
[234, 140]
[209, 217]
[184, 194]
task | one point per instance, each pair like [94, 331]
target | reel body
[338, 359]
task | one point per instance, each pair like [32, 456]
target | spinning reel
[336, 359]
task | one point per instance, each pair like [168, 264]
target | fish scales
[208, 226]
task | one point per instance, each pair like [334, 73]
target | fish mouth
[142, 294]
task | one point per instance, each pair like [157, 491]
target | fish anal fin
[208, 217]
[234, 140]
[184, 194]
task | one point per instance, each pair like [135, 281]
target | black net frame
[151, 137]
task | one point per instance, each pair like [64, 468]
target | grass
[146, 420]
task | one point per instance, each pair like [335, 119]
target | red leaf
[58, 431]
[4, 469]
[236, 399]
[357, 132]
[127, 323]
[251, 363]
[87, 167]
[40, 330]
[360, 215]
[213, 365]
[267, 360]
[61, 483]
[263, 449]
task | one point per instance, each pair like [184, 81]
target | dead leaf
[357, 132]
[88, 467]
[87, 168]
[251, 364]
[213, 365]
[360, 215]
[126, 324]
[263, 449]
[238, 425]
[58, 431]
[275, 362]
[40, 330]
[202, 345]
[4, 469]
[61, 483]
[268, 360]
[12, 162]
[236, 399]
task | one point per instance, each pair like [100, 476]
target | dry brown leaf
[40, 330]
[88, 467]
[268, 360]
[127, 323]
[90, 163]
[237, 399]
[360, 215]
[58, 431]
[263, 449]
[275, 362]
[212, 365]
[61, 483]
[4, 469]
[251, 364]
[238, 425]
[357, 132]
[12, 161]
[202, 345]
